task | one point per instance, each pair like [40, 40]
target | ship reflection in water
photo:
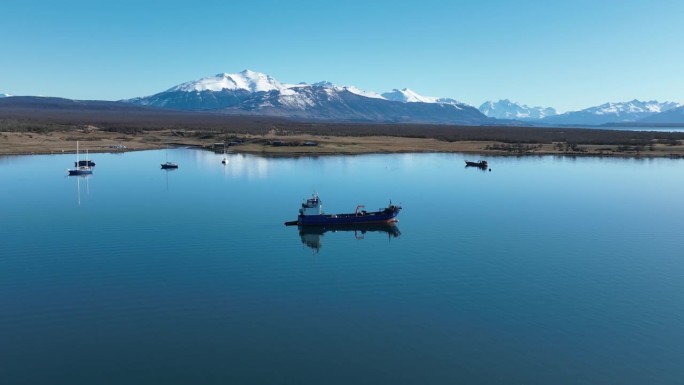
[78, 177]
[312, 235]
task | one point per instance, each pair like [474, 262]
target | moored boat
[86, 162]
[311, 213]
[168, 165]
[83, 170]
[80, 169]
[480, 164]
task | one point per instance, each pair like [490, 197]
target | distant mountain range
[623, 112]
[406, 95]
[505, 109]
[673, 115]
[634, 111]
[256, 93]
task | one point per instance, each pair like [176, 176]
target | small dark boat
[480, 164]
[81, 163]
[169, 165]
[311, 213]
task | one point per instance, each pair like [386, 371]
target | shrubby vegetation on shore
[207, 128]
[210, 125]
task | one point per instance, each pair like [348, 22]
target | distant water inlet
[546, 270]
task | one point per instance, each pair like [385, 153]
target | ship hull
[80, 172]
[384, 216]
[481, 164]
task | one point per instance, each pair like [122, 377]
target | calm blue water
[641, 128]
[546, 270]
[629, 128]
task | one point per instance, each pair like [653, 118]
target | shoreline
[98, 141]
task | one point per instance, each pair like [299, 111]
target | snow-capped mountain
[673, 115]
[4, 95]
[352, 89]
[621, 112]
[406, 95]
[505, 109]
[246, 80]
[250, 92]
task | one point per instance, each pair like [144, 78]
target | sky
[564, 54]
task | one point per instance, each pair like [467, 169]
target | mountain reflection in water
[312, 235]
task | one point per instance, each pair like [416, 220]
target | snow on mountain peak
[4, 95]
[631, 107]
[406, 95]
[506, 109]
[352, 89]
[254, 82]
[246, 80]
[358, 91]
[614, 112]
[323, 84]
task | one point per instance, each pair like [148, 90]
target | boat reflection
[78, 177]
[167, 171]
[312, 235]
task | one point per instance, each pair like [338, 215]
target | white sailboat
[80, 170]
[225, 158]
[168, 165]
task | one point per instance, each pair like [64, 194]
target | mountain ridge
[254, 93]
[506, 109]
[671, 116]
[612, 112]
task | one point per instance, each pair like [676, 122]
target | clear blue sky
[565, 54]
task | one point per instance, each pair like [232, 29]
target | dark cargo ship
[311, 213]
